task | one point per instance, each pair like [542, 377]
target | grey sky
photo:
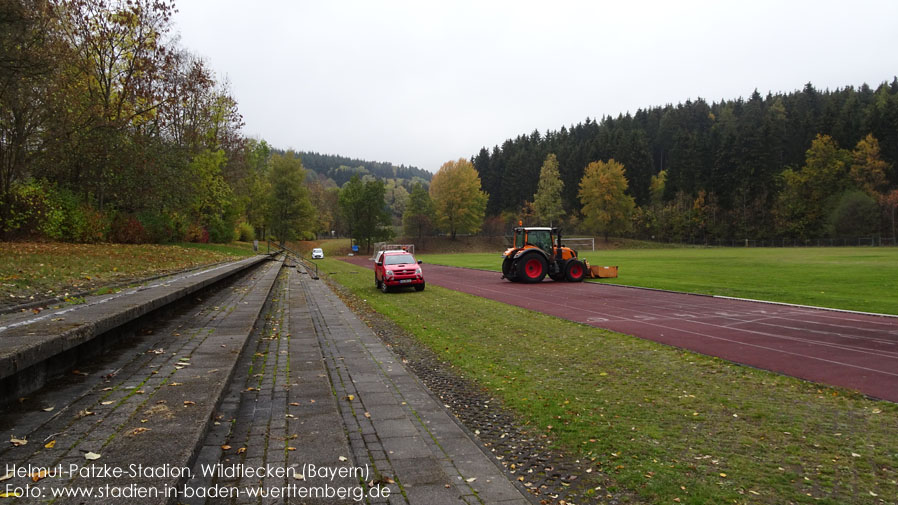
[422, 82]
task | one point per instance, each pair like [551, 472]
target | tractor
[537, 252]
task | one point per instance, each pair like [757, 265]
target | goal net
[579, 242]
[383, 246]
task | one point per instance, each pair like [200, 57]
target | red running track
[850, 350]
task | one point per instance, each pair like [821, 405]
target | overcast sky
[423, 82]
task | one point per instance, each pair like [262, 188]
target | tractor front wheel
[531, 267]
[574, 271]
[506, 269]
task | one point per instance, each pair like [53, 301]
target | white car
[317, 254]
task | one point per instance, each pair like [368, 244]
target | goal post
[582, 242]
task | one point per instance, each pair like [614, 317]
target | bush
[127, 229]
[196, 233]
[95, 226]
[245, 232]
[162, 228]
[856, 215]
[220, 231]
[25, 213]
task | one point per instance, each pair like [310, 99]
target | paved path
[844, 349]
[321, 389]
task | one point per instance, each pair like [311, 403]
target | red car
[393, 269]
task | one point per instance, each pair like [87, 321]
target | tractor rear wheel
[531, 267]
[574, 271]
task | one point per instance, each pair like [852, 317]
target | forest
[112, 132]
[700, 171]
[340, 168]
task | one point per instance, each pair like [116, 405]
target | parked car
[394, 269]
[317, 254]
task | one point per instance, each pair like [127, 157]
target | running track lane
[849, 350]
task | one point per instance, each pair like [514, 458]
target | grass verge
[35, 271]
[852, 278]
[667, 424]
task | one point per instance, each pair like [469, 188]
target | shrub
[127, 229]
[162, 228]
[856, 215]
[94, 226]
[220, 231]
[27, 208]
[196, 233]
[245, 232]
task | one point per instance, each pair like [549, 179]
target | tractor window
[519, 238]
[541, 239]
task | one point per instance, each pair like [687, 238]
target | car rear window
[398, 259]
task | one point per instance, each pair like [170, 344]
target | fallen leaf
[350, 397]
[299, 476]
[291, 448]
[368, 415]
[39, 475]
[84, 413]
[138, 431]
[176, 384]
[16, 442]
[106, 403]
[91, 456]
[188, 403]
[225, 447]
[472, 479]
[10, 494]
[8, 476]
[723, 474]
[342, 458]
[241, 450]
[49, 409]
[50, 444]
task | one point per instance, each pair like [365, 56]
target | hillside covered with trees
[806, 164]
[340, 168]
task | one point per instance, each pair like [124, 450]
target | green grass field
[669, 425]
[40, 270]
[854, 278]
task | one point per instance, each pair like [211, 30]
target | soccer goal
[383, 246]
[579, 242]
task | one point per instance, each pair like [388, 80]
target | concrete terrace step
[29, 342]
[153, 410]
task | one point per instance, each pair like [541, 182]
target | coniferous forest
[800, 165]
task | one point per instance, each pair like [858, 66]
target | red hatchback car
[393, 269]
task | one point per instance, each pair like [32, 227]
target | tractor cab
[537, 252]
